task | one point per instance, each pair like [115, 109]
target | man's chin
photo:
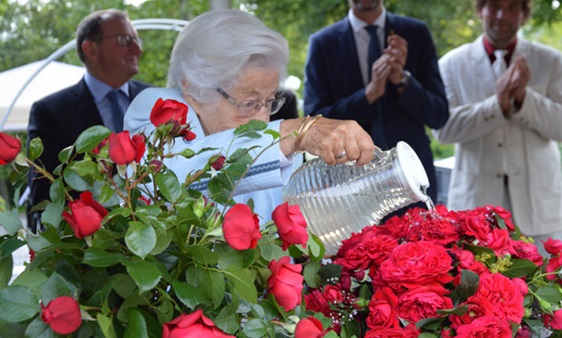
[368, 7]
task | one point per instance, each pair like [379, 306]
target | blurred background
[31, 30]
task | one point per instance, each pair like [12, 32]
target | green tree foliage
[35, 29]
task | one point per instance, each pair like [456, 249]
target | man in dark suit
[395, 95]
[109, 47]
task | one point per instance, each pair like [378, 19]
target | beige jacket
[489, 146]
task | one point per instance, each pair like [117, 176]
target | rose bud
[241, 227]
[285, 283]
[123, 149]
[9, 148]
[290, 224]
[62, 314]
[85, 215]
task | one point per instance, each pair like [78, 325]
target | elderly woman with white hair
[226, 65]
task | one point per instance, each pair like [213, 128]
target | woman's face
[254, 84]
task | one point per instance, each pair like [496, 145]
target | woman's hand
[334, 141]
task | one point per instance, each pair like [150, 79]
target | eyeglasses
[252, 107]
[125, 40]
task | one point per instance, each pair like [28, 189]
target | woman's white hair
[215, 47]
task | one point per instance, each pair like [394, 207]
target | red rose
[504, 214]
[477, 307]
[124, 150]
[309, 328]
[438, 230]
[382, 309]
[316, 302]
[499, 241]
[188, 135]
[9, 148]
[193, 325]
[165, 111]
[554, 321]
[218, 163]
[85, 215]
[285, 283]
[416, 263]
[423, 302]
[488, 326]
[384, 332]
[553, 247]
[476, 226]
[503, 294]
[62, 314]
[523, 287]
[554, 264]
[521, 249]
[241, 227]
[333, 294]
[291, 225]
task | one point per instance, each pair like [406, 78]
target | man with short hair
[505, 99]
[109, 47]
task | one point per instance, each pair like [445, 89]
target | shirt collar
[490, 48]
[99, 89]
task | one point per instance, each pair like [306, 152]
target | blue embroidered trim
[254, 170]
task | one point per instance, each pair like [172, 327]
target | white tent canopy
[55, 76]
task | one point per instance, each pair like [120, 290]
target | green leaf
[56, 286]
[466, 288]
[330, 272]
[86, 168]
[52, 215]
[213, 286]
[56, 191]
[227, 320]
[315, 247]
[39, 329]
[163, 240]
[100, 258]
[169, 186]
[75, 181]
[271, 251]
[6, 269]
[91, 137]
[251, 129]
[35, 149]
[189, 295]
[106, 326]
[310, 274]
[65, 155]
[10, 220]
[520, 268]
[140, 238]
[32, 279]
[550, 294]
[136, 325]
[202, 255]
[276, 135]
[145, 274]
[257, 328]
[243, 282]
[18, 303]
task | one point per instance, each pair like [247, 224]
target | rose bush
[441, 274]
[129, 250]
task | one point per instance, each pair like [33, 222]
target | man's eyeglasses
[125, 40]
[252, 107]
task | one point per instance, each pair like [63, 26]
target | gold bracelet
[304, 128]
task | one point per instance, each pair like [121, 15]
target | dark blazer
[58, 119]
[334, 87]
